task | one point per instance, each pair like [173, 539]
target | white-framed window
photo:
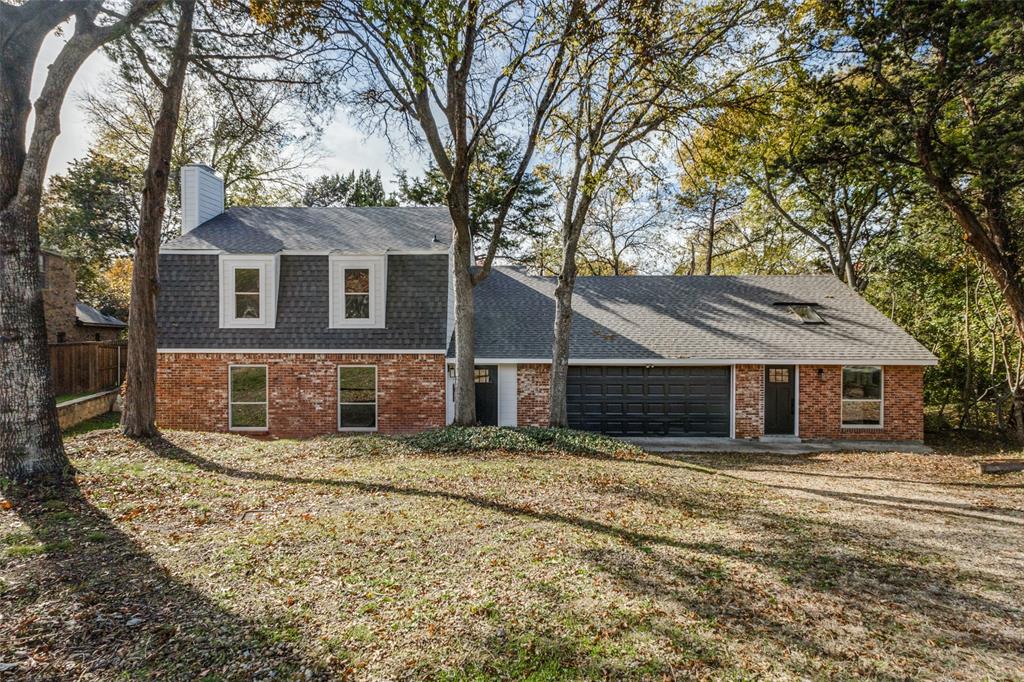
[862, 396]
[357, 291]
[247, 398]
[357, 398]
[247, 291]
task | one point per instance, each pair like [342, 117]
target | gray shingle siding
[188, 308]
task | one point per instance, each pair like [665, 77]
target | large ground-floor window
[862, 396]
[247, 397]
[357, 398]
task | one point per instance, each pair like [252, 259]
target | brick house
[305, 321]
[67, 319]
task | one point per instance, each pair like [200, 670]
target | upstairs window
[248, 292]
[357, 291]
[862, 396]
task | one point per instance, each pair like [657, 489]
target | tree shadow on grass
[844, 562]
[80, 597]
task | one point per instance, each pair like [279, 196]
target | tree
[494, 170]
[940, 90]
[138, 419]
[364, 189]
[814, 176]
[30, 443]
[91, 214]
[451, 74]
[624, 229]
[639, 73]
[250, 137]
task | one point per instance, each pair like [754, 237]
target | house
[306, 321]
[69, 320]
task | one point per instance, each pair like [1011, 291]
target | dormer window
[357, 293]
[247, 292]
[358, 290]
[805, 312]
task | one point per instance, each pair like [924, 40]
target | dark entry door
[649, 401]
[486, 379]
[779, 400]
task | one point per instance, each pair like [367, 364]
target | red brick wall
[192, 391]
[902, 406]
[749, 401]
[534, 387]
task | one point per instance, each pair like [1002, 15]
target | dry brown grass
[225, 557]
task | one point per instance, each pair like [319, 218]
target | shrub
[527, 439]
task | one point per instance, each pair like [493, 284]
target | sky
[344, 147]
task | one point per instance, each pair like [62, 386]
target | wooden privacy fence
[86, 367]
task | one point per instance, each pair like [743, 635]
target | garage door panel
[651, 401]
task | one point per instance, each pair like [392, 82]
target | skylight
[806, 313]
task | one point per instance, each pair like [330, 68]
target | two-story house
[307, 321]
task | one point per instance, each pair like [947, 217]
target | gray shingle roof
[188, 307]
[348, 230]
[90, 317]
[712, 318]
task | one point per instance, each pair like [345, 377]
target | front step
[773, 438]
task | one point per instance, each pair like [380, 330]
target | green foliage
[364, 189]
[492, 172]
[90, 214]
[528, 439]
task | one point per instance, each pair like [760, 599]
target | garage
[649, 401]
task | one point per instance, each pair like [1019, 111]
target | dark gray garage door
[649, 401]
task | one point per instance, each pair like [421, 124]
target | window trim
[267, 266]
[377, 267]
[376, 400]
[266, 402]
[880, 399]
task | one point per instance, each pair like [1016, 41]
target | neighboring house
[306, 321]
[68, 320]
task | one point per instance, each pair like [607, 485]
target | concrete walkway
[774, 447]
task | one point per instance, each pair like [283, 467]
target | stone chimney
[202, 195]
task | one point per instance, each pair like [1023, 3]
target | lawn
[202, 556]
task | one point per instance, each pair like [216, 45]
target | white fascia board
[707, 362]
[300, 252]
[306, 351]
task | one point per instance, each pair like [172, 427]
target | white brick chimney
[202, 195]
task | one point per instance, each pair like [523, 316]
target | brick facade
[534, 388]
[749, 401]
[192, 391]
[902, 405]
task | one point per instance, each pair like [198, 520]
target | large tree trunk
[571, 231]
[465, 316]
[30, 440]
[139, 416]
[558, 412]
[709, 256]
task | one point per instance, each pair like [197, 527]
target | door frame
[796, 399]
[494, 373]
